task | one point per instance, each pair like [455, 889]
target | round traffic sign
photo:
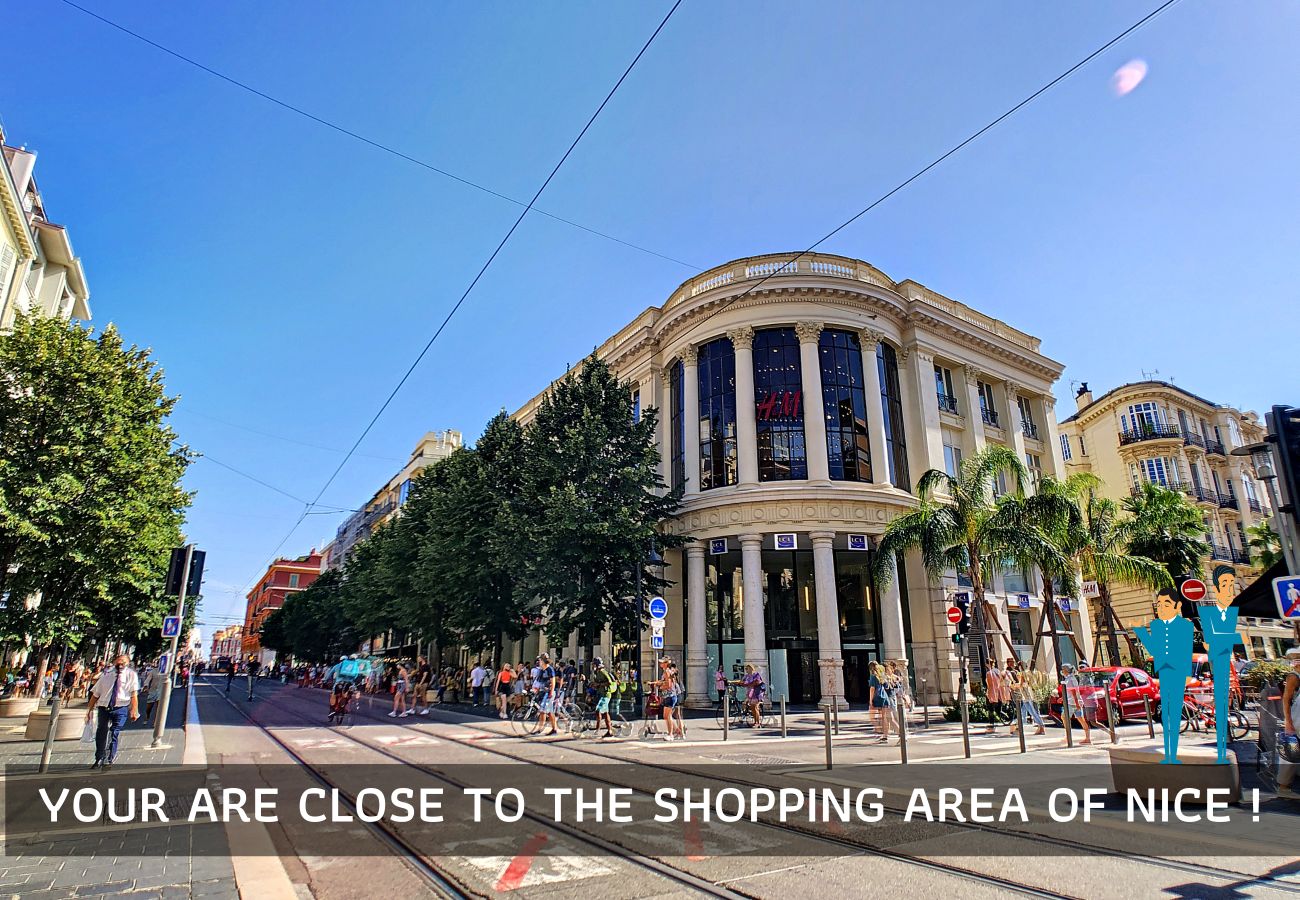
[954, 614]
[658, 608]
[1193, 589]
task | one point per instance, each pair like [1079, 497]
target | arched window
[844, 399]
[717, 414]
[778, 395]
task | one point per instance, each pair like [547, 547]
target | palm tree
[1166, 527]
[1265, 544]
[1067, 531]
[955, 524]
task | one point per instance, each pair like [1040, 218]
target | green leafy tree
[955, 523]
[1167, 527]
[90, 494]
[1265, 544]
[590, 503]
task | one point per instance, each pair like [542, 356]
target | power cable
[782, 269]
[481, 272]
[370, 142]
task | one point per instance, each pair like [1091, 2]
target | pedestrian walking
[502, 689]
[878, 699]
[153, 688]
[548, 679]
[476, 676]
[720, 683]
[114, 699]
[995, 694]
[1071, 686]
[399, 693]
[423, 678]
[1024, 684]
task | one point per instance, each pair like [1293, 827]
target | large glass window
[891, 404]
[1015, 580]
[778, 393]
[845, 401]
[951, 458]
[791, 595]
[943, 387]
[724, 613]
[859, 617]
[717, 414]
[676, 431]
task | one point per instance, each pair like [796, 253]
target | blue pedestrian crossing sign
[656, 641]
[171, 626]
[1286, 589]
[658, 608]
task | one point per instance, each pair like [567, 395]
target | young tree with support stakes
[1167, 527]
[955, 526]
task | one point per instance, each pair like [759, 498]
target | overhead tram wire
[370, 142]
[956, 148]
[481, 272]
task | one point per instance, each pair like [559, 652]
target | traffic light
[962, 602]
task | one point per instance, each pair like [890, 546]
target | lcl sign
[780, 405]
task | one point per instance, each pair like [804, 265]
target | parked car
[1127, 687]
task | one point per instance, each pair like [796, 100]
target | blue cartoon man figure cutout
[1219, 628]
[1168, 639]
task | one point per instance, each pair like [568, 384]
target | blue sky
[285, 274]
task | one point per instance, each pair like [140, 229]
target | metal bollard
[826, 715]
[1151, 724]
[784, 733]
[726, 718]
[1110, 718]
[925, 706]
[1020, 726]
[835, 713]
[1067, 717]
[902, 734]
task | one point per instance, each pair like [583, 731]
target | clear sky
[285, 274]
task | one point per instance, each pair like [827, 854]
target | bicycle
[738, 710]
[1198, 715]
[524, 720]
[341, 706]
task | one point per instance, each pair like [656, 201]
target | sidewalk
[141, 864]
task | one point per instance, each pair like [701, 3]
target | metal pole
[964, 703]
[55, 702]
[1151, 725]
[784, 733]
[835, 713]
[902, 734]
[726, 715]
[1067, 718]
[925, 706]
[1020, 725]
[1110, 716]
[826, 715]
[640, 696]
[172, 660]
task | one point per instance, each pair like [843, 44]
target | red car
[1127, 687]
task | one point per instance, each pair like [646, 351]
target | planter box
[18, 706]
[71, 721]
[1141, 769]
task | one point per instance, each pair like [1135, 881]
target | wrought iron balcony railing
[1228, 501]
[947, 403]
[989, 416]
[1150, 433]
[1254, 505]
[1192, 439]
[1029, 429]
[1215, 447]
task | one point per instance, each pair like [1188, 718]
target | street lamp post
[163, 702]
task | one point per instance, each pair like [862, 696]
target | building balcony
[1150, 433]
[1192, 439]
[1204, 495]
[1029, 430]
[1181, 487]
[1241, 556]
[1254, 505]
[1218, 551]
[990, 417]
[1214, 448]
[1228, 501]
[947, 403]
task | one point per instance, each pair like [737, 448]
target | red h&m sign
[780, 405]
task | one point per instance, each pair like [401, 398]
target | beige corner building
[799, 402]
[1156, 432]
[39, 272]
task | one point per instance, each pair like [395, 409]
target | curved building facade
[799, 402]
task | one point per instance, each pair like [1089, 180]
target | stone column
[697, 644]
[830, 662]
[893, 637]
[876, 436]
[742, 339]
[691, 419]
[661, 397]
[814, 411]
[1052, 438]
[751, 563]
[931, 434]
[1016, 433]
[973, 407]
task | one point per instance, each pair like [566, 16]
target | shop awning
[1257, 599]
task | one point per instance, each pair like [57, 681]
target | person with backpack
[605, 685]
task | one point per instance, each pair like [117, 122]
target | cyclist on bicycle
[754, 691]
[341, 696]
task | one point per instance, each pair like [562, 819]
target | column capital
[925, 354]
[870, 337]
[808, 332]
[821, 537]
[750, 540]
[689, 355]
[742, 338]
[972, 372]
[694, 550]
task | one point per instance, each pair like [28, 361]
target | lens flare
[1128, 76]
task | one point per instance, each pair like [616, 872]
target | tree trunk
[41, 669]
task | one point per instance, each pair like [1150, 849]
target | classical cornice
[806, 510]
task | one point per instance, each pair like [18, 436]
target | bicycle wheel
[1238, 726]
[621, 726]
[522, 721]
[1191, 719]
[722, 711]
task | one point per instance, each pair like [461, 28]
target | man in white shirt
[114, 697]
[476, 676]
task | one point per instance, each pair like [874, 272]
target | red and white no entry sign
[954, 614]
[1193, 589]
